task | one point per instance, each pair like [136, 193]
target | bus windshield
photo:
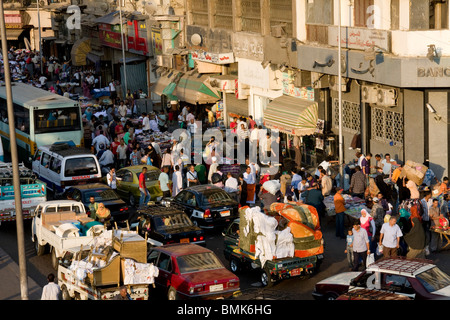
[57, 120]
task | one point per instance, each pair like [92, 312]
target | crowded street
[155, 164]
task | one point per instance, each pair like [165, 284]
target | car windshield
[198, 262]
[211, 197]
[101, 195]
[434, 279]
[172, 221]
[80, 167]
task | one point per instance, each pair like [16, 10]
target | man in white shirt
[123, 110]
[164, 182]
[107, 158]
[100, 140]
[184, 113]
[111, 178]
[387, 164]
[145, 123]
[112, 89]
[51, 291]
[232, 186]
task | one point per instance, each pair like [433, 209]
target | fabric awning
[163, 81]
[196, 88]
[292, 115]
[80, 50]
[13, 34]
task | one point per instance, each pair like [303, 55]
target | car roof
[202, 187]
[182, 249]
[91, 186]
[137, 169]
[401, 266]
[50, 202]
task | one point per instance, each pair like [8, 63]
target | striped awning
[167, 84]
[196, 88]
[292, 115]
[80, 50]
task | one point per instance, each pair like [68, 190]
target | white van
[62, 165]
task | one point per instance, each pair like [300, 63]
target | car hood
[341, 278]
[219, 275]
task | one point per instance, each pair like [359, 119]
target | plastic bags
[272, 186]
[370, 259]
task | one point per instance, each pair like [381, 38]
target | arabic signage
[217, 58]
[289, 89]
[13, 21]
[137, 37]
[157, 42]
[359, 38]
[248, 46]
[110, 35]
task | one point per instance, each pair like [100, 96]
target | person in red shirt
[145, 196]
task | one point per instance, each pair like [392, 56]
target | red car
[190, 271]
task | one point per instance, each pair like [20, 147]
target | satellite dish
[196, 39]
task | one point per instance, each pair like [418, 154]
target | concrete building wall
[414, 125]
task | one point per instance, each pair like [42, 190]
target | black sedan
[165, 225]
[208, 206]
[102, 193]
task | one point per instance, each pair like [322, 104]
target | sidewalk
[10, 280]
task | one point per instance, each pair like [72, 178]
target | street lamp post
[14, 158]
[341, 148]
[40, 38]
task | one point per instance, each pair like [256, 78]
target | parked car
[371, 294]
[190, 271]
[418, 279]
[165, 225]
[128, 183]
[208, 206]
[102, 194]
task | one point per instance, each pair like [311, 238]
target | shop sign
[359, 38]
[13, 21]
[433, 72]
[157, 41]
[110, 35]
[248, 46]
[289, 89]
[137, 37]
[216, 58]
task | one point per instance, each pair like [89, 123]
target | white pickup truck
[61, 225]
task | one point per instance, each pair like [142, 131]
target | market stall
[354, 206]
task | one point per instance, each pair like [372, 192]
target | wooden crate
[108, 275]
[131, 246]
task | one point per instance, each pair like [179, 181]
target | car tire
[132, 200]
[331, 296]
[235, 265]
[172, 294]
[55, 260]
[65, 293]
[40, 250]
[266, 278]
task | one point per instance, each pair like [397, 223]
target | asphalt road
[291, 289]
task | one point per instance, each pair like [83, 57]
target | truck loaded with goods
[282, 242]
[116, 259]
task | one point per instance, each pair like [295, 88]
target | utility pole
[341, 148]
[123, 48]
[40, 38]
[14, 158]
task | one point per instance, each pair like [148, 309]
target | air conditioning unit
[277, 31]
[319, 80]
[164, 61]
[302, 79]
[386, 97]
[369, 94]
[333, 83]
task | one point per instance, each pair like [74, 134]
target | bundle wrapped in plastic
[284, 244]
[139, 273]
[272, 186]
[253, 222]
[265, 248]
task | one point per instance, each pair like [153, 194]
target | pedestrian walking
[339, 208]
[349, 248]
[390, 234]
[164, 182]
[361, 245]
[51, 290]
[177, 181]
[145, 196]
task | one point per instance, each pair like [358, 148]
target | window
[387, 126]
[251, 15]
[281, 14]
[319, 12]
[164, 262]
[153, 257]
[199, 12]
[57, 120]
[21, 116]
[198, 262]
[426, 15]
[45, 160]
[55, 165]
[351, 116]
[362, 13]
[80, 166]
[224, 14]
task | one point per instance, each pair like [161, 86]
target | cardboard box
[131, 246]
